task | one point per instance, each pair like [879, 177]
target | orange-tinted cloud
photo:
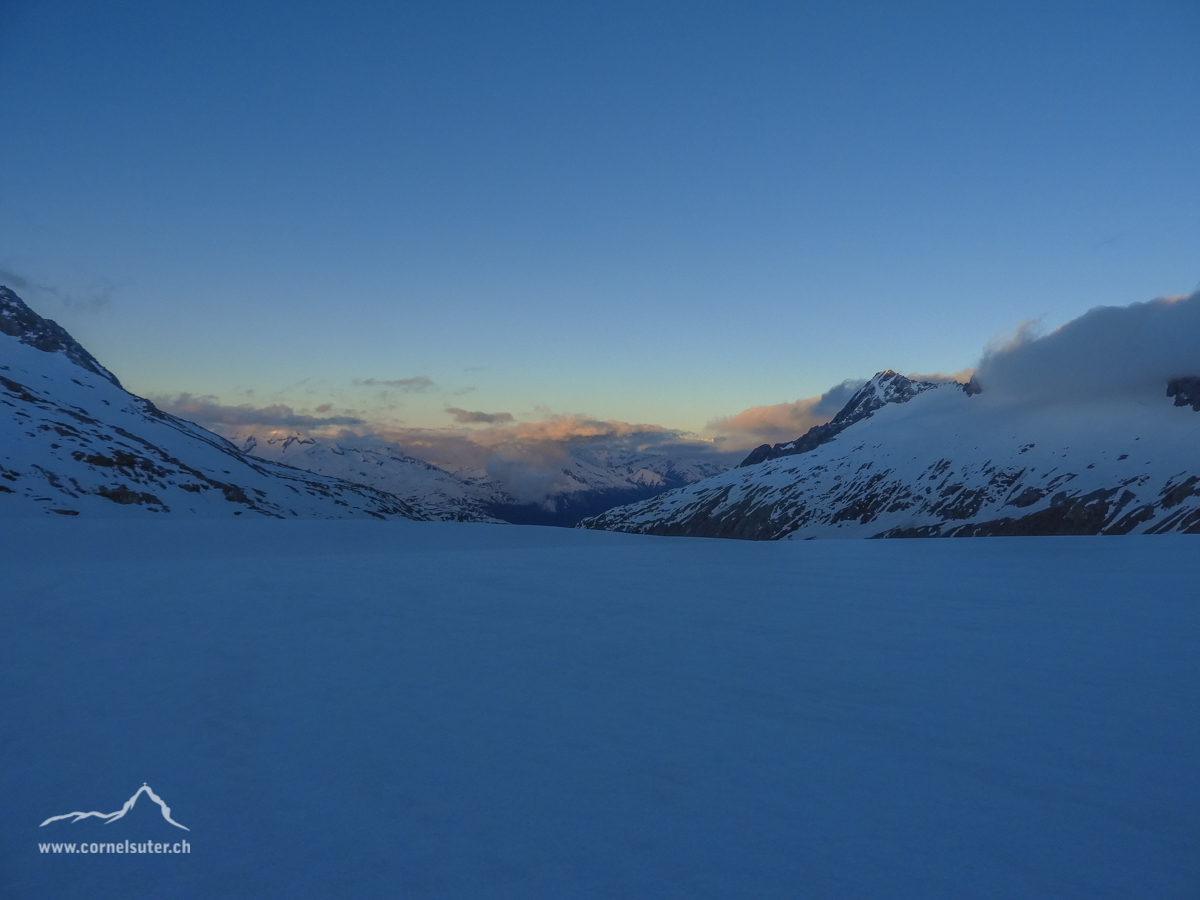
[780, 422]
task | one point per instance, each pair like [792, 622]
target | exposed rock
[19, 321]
[123, 495]
[1186, 392]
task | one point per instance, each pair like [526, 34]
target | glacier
[358, 708]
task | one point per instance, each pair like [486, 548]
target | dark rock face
[1084, 514]
[123, 495]
[1186, 392]
[886, 387]
[19, 321]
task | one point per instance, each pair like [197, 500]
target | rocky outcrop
[1186, 392]
[19, 321]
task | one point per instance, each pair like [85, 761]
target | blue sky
[649, 212]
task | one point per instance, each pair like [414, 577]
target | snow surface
[401, 709]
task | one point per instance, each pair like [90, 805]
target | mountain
[946, 460]
[381, 464]
[886, 387]
[589, 478]
[74, 441]
[597, 476]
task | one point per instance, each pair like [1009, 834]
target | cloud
[416, 385]
[781, 421]
[466, 417]
[533, 461]
[962, 376]
[1109, 351]
[206, 411]
[542, 443]
[95, 298]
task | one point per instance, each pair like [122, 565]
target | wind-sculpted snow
[73, 441]
[947, 463]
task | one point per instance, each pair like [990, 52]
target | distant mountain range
[77, 442]
[590, 479]
[909, 458]
[903, 458]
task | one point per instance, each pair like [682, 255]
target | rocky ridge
[886, 387]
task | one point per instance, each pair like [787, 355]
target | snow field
[398, 709]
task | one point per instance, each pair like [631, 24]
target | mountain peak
[19, 321]
[884, 387]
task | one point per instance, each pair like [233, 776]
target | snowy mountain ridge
[949, 461]
[886, 387]
[19, 321]
[75, 442]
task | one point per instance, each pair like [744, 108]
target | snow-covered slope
[953, 462]
[886, 387]
[380, 464]
[73, 441]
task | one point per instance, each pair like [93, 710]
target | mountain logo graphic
[113, 816]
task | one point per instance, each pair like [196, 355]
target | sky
[661, 213]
